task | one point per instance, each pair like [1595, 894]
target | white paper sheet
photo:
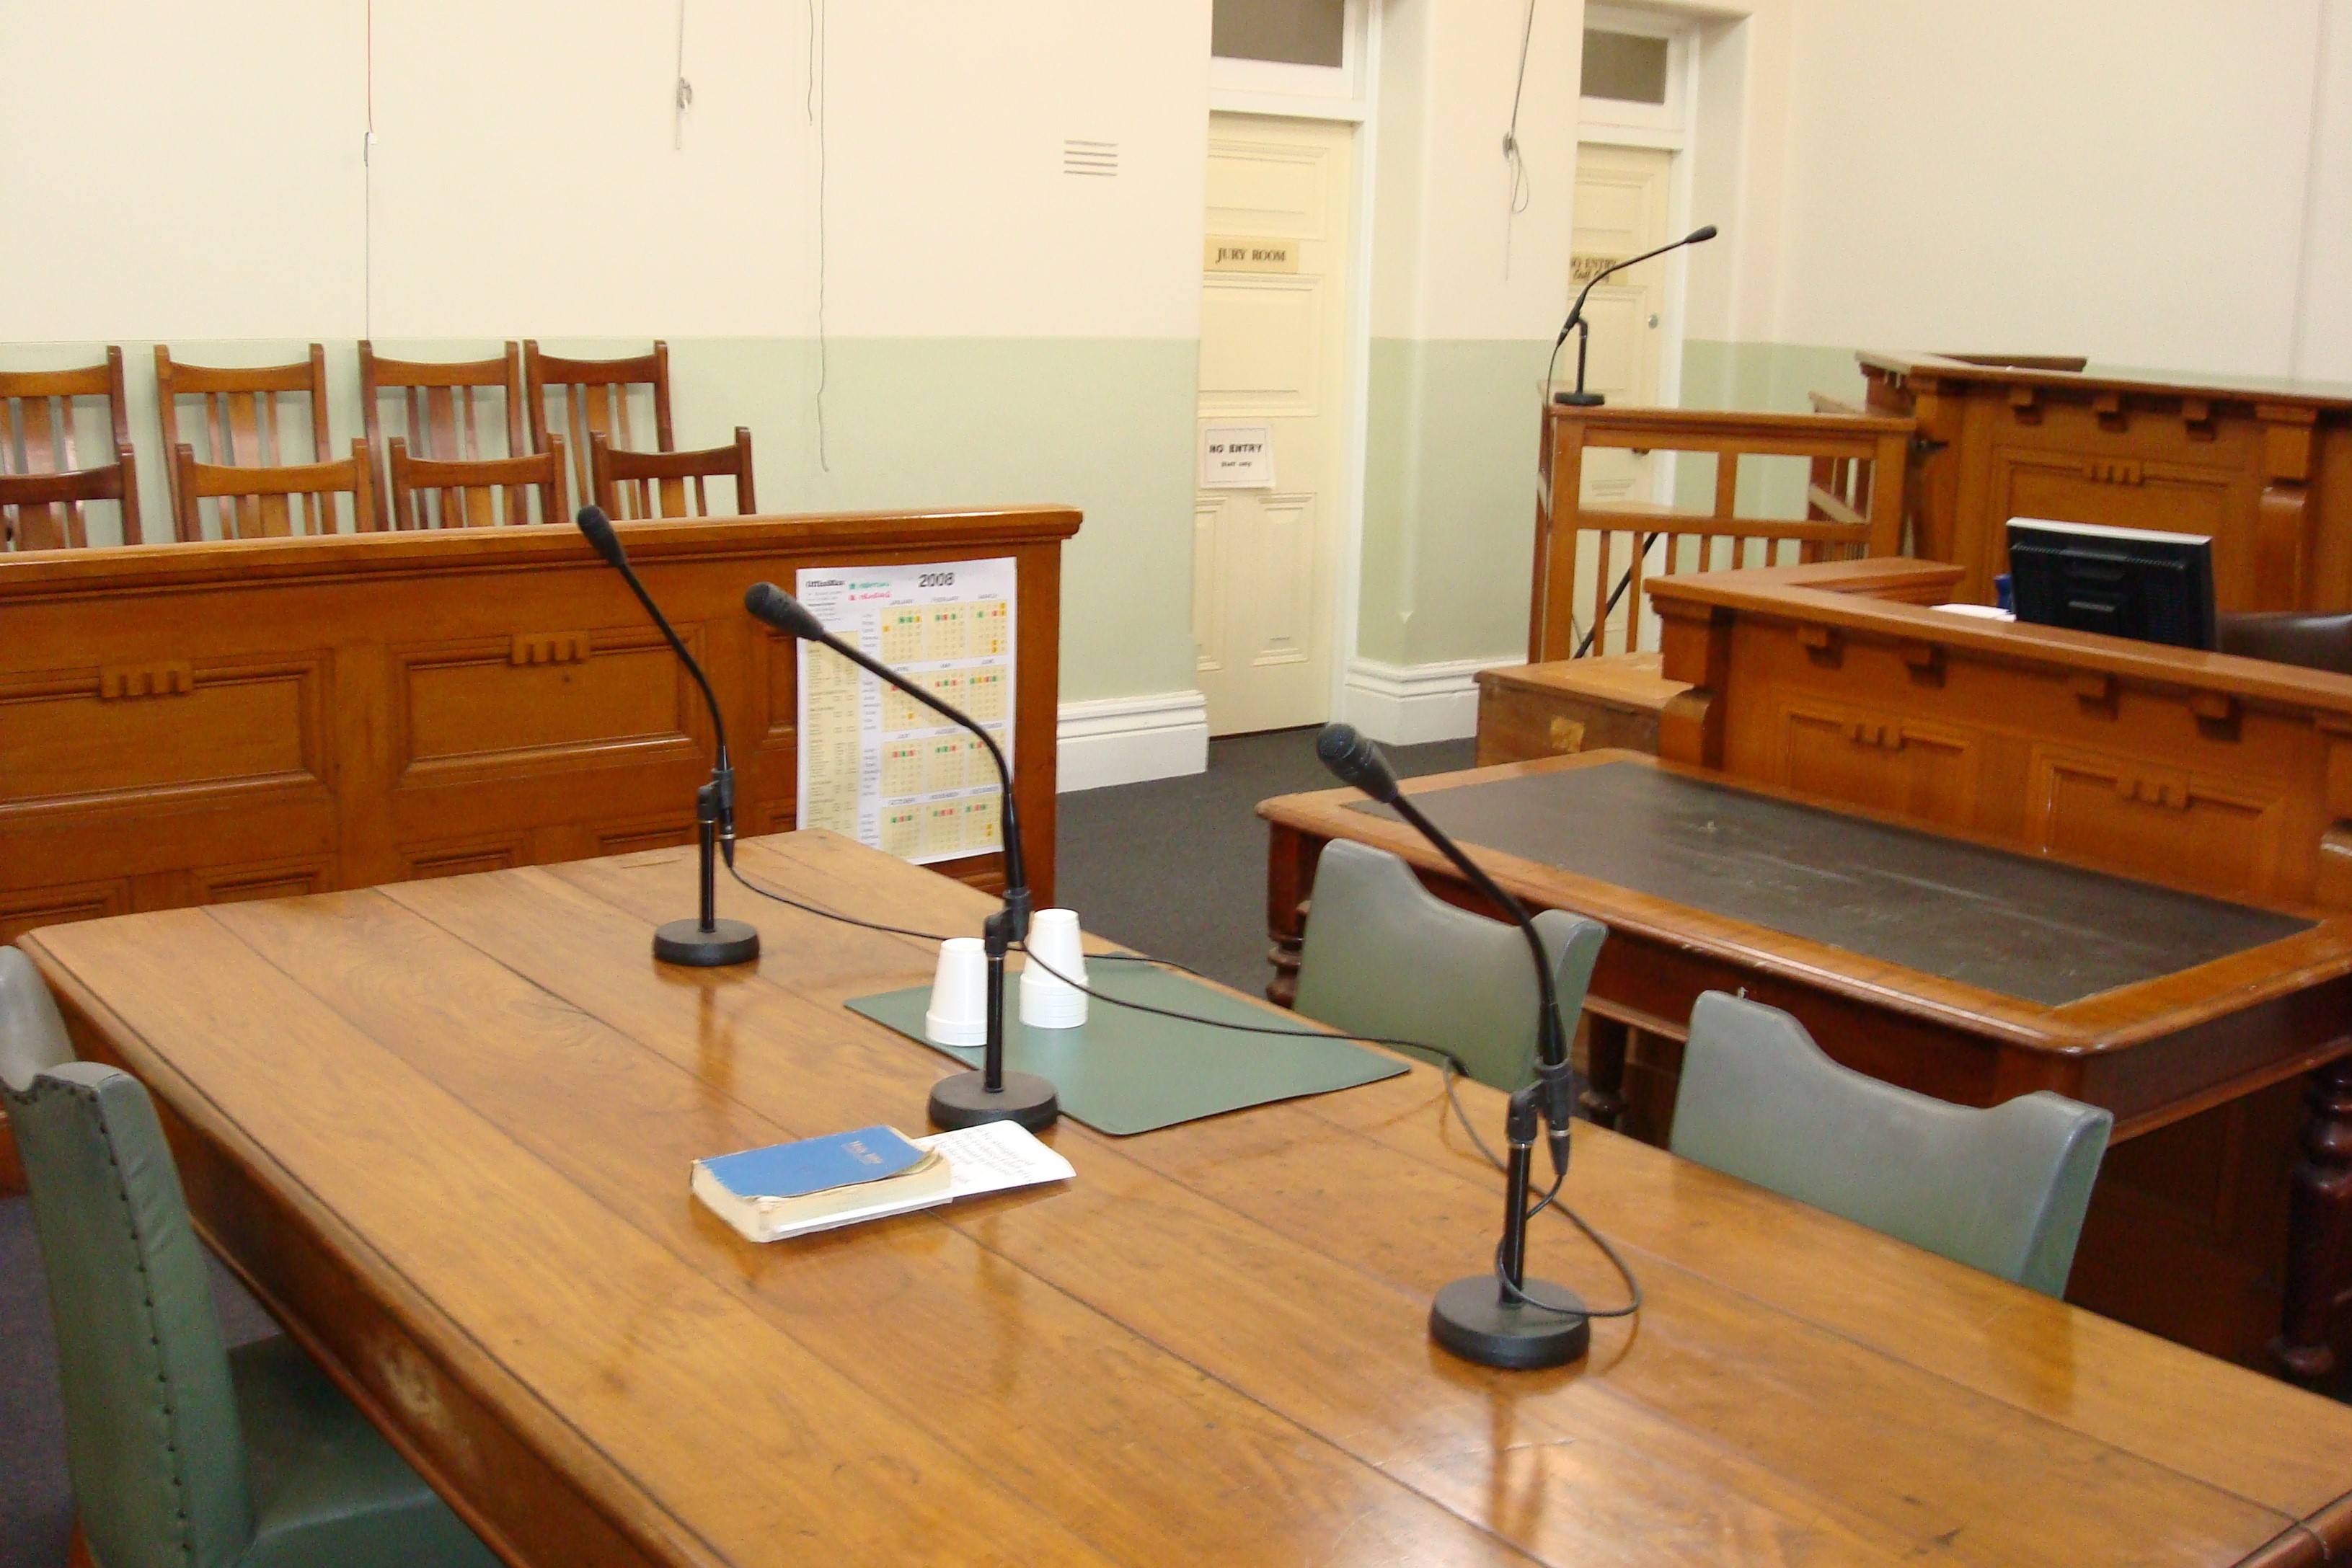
[993, 1156]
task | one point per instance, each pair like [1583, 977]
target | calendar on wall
[875, 764]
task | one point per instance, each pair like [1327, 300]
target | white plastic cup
[1045, 1001]
[959, 1012]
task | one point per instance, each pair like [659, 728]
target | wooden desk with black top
[443, 1129]
[1944, 962]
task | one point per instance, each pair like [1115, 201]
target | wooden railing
[1854, 507]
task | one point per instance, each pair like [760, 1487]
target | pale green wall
[1449, 498]
[1106, 426]
[1765, 378]
[1103, 425]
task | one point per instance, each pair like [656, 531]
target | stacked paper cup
[1053, 943]
[959, 1010]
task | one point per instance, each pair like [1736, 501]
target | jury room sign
[1236, 457]
[1233, 253]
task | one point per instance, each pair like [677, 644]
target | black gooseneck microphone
[1512, 1321]
[1579, 398]
[705, 942]
[1576, 322]
[987, 1094]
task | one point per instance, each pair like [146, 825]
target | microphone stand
[988, 1093]
[705, 942]
[1576, 322]
[1512, 1321]
[1500, 1318]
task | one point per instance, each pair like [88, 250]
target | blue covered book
[789, 1189]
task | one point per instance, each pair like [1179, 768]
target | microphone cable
[930, 935]
[1450, 1066]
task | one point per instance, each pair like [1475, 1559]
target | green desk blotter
[1124, 1072]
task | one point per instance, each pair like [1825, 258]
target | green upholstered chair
[32, 1034]
[2001, 1189]
[182, 1453]
[1384, 956]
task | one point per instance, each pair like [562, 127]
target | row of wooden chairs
[441, 472]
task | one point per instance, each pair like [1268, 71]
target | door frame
[1669, 133]
[1360, 110]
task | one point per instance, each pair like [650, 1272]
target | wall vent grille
[1083, 157]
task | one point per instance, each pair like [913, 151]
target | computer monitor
[2126, 582]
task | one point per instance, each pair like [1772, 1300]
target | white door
[1622, 199]
[1272, 371]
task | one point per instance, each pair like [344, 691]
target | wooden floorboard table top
[473, 1103]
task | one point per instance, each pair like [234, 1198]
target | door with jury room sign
[1272, 419]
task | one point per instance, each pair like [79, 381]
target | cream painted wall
[2125, 182]
[1443, 189]
[1000, 330]
[195, 169]
[1466, 298]
[2324, 344]
[946, 210]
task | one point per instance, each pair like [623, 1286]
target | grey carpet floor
[1175, 867]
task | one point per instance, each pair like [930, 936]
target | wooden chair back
[444, 409]
[1615, 543]
[658, 479]
[591, 398]
[48, 471]
[273, 502]
[239, 411]
[483, 493]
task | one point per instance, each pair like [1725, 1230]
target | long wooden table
[1910, 985]
[442, 1128]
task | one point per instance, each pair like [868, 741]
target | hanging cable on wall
[682, 97]
[1522, 190]
[816, 118]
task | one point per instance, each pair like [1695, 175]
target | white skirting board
[1405, 705]
[1126, 740]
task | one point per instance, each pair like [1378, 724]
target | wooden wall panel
[2228, 775]
[2265, 469]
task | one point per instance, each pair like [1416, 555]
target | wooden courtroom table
[2265, 466]
[197, 723]
[2231, 776]
[1837, 681]
[1945, 964]
[443, 1129]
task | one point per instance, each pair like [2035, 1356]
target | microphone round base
[1471, 1318]
[686, 942]
[962, 1100]
[1579, 399]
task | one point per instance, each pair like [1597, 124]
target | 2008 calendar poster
[875, 764]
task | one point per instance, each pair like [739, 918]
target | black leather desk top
[2001, 921]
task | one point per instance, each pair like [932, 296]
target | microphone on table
[705, 942]
[987, 1094]
[1579, 398]
[1510, 1321]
